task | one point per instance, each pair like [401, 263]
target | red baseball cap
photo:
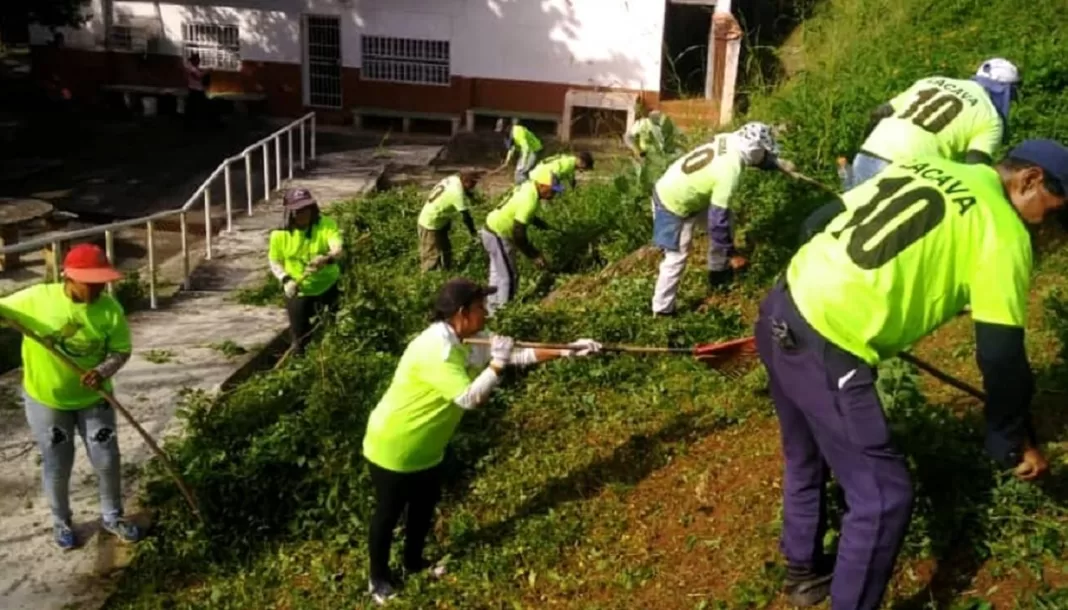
[87, 263]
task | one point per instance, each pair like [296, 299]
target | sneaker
[64, 536]
[808, 590]
[381, 592]
[123, 529]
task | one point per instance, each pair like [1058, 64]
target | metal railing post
[278, 161]
[151, 265]
[229, 202]
[313, 137]
[289, 139]
[207, 223]
[248, 181]
[109, 250]
[302, 145]
[266, 173]
[57, 259]
[185, 251]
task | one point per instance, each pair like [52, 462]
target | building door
[322, 61]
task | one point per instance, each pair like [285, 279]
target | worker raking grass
[951, 118]
[438, 378]
[915, 245]
[304, 256]
[702, 182]
[523, 146]
[80, 320]
[506, 232]
[564, 166]
[446, 200]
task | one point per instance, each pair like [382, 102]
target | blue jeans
[53, 430]
[865, 167]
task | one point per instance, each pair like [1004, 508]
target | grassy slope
[625, 482]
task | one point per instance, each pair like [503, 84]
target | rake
[111, 400]
[725, 356]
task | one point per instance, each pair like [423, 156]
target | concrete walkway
[173, 352]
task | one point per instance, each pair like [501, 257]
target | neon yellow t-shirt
[707, 175]
[943, 117]
[914, 246]
[525, 140]
[646, 135]
[86, 332]
[562, 166]
[445, 201]
[294, 250]
[417, 416]
[521, 204]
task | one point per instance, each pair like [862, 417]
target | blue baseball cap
[1050, 155]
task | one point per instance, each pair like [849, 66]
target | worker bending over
[448, 198]
[915, 245]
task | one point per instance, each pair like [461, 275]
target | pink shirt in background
[193, 77]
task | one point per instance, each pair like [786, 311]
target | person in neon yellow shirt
[523, 142]
[304, 256]
[702, 182]
[436, 381]
[506, 231]
[563, 166]
[447, 199]
[645, 135]
[916, 245]
[86, 324]
[951, 118]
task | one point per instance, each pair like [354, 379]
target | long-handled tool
[943, 377]
[107, 396]
[726, 355]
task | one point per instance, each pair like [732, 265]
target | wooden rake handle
[107, 396]
[629, 349]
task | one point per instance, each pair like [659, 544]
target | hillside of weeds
[627, 482]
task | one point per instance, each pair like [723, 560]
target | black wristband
[286, 278]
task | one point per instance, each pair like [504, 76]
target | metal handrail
[203, 193]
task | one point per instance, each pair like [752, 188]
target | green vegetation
[624, 481]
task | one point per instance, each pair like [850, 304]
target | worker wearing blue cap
[915, 245]
[506, 231]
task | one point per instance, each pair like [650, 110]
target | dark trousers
[830, 415]
[419, 492]
[301, 310]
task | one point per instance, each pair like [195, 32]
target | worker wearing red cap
[304, 256]
[89, 326]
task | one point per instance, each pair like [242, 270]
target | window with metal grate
[219, 46]
[405, 60]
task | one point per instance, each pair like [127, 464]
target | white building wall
[608, 43]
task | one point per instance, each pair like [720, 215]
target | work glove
[501, 350]
[1032, 465]
[290, 287]
[582, 347]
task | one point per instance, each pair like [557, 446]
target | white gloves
[582, 347]
[290, 288]
[501, 350]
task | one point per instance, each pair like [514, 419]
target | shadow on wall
[505, 54]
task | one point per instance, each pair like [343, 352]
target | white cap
[999, 70]
[754, 137]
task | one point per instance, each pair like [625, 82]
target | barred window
[405, 60]
[219, 46]
[120, 37]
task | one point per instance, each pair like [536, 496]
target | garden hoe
[107, 396]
